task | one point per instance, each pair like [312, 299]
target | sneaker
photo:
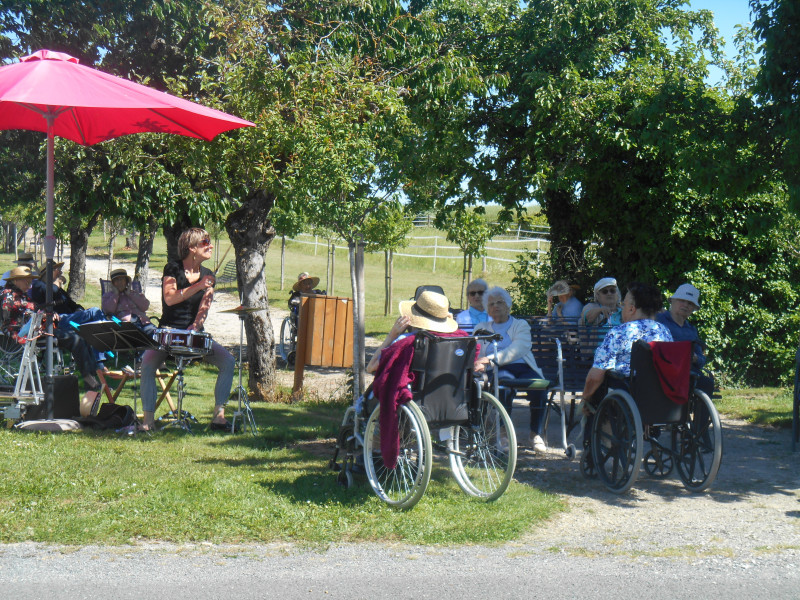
[537, 443]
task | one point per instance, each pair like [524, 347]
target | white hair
[480, 282]
[497, 292]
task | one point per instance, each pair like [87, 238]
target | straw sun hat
[20, 273]
[430, 311]
[305, 284]
[120, 273]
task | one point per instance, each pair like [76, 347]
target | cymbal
[243, 309]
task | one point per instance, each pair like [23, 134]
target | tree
[387, 230]
[470, 231]
[777, 87]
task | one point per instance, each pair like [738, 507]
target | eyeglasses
[497, 303]
[476, 293]
[204, 242]
[609, 290]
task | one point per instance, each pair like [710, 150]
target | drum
[182, 342]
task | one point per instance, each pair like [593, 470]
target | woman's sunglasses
[609, 290]
[476, 293]
[204, 242]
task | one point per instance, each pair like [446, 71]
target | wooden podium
[324, 334]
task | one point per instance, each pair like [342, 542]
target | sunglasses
[609, 290]
[476, 293]
[204, 242]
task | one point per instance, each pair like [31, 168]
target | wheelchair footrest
[525, 383]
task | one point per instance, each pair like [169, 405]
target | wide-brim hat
[306, 284]
[559, 288]
[687, 292]
[20, 273]
[604, 283]
[25, 257]
[119, 273]
[429, 311]
[57, 265]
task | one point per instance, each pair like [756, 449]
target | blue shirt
[571, 309]
[684, 333]
[468, 318]
[614, 353]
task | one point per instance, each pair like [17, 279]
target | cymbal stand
[181, 417]
[243, 411]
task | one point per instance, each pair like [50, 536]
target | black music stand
[116, 336]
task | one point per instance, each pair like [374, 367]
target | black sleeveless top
[181, 315]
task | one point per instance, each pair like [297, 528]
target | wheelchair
[474, 430]
[685, 436]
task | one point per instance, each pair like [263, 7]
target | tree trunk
[567, 245]
[130, 239]
[172, 232]
[283, 259]
[78, 243]
[391, 280]
[356, 252]
[250, 231]
[469, 269]
[463, 282]
[112, 237]
[330, 291]
[386, 301]
[145, 252]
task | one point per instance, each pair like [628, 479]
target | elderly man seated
[126, 302]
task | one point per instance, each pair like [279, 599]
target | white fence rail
[436, 248]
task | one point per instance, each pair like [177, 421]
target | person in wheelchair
[15, 306]
[612, 358]
[127, 303]
[684, 302]
[514, 359]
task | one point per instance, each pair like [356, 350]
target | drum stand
[243, 411]
[180, 418]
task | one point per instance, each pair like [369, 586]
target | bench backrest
[577, 343]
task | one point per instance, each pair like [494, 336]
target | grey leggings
[219, 357]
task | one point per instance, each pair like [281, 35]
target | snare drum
[182, 342]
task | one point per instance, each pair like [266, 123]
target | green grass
[762, 406]
[98, 487]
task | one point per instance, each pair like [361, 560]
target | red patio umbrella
[50, 92]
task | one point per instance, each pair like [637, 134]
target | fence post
[435, 245]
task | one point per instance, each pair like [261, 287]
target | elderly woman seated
[568, 306]
[476, 313]
[606, 310]
[514, 359]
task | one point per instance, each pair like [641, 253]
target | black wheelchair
[473, 430]
[687, 436]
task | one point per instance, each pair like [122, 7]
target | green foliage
[387, 228]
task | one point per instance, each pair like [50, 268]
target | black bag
[111, 416]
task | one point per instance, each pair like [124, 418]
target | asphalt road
[30, 571]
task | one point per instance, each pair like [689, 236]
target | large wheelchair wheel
[404, 485]
[617, 442]
[700, 444]
[10, 360]
[286, 347]
[483, 455]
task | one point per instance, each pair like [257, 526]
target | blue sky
[727, 14]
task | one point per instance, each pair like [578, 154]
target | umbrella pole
[49, 250]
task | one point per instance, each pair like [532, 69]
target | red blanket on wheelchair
[392, 388]
[673, 363]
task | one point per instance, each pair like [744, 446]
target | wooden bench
[564, 351]
[228, 273]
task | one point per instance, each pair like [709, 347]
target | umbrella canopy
[50, 92]
[89, 106]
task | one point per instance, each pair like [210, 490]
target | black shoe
[226, 426]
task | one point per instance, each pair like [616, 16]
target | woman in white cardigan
[514, 357]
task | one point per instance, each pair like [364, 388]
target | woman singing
[187, 289]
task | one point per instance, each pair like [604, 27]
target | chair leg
[165, 388]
